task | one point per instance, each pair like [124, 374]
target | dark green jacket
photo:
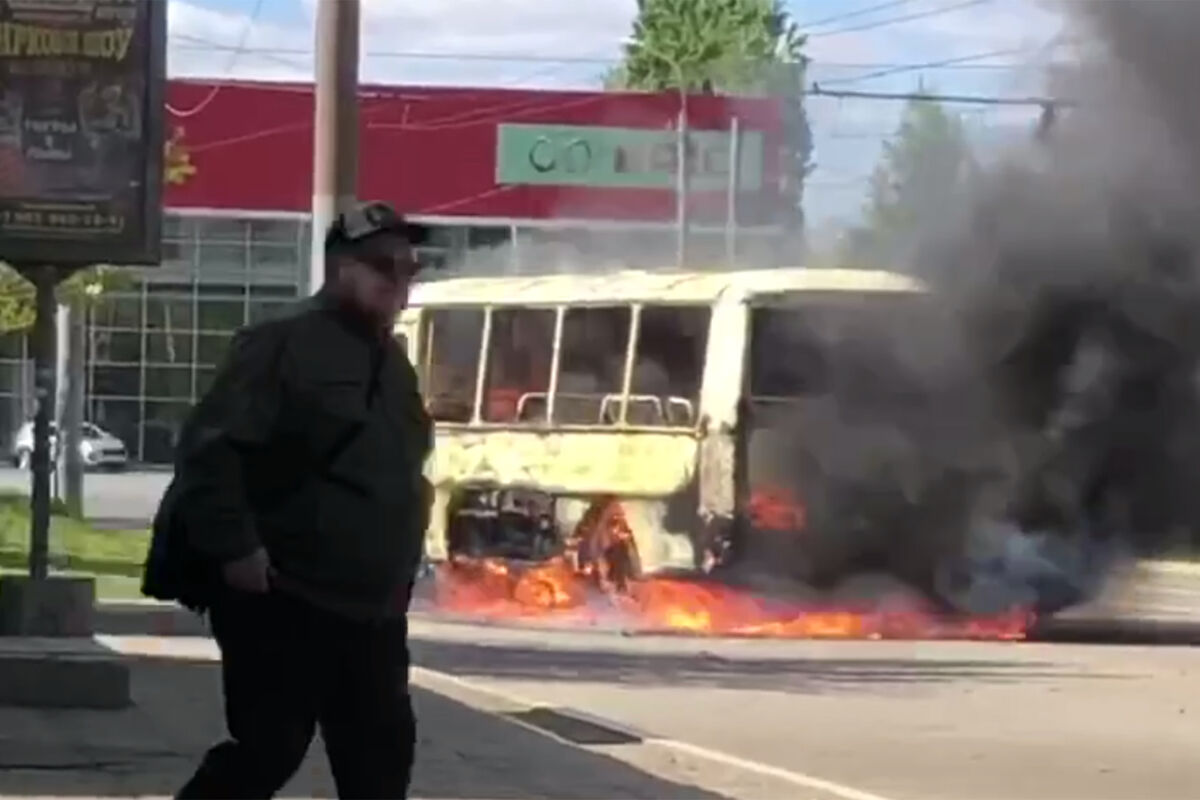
[311, 443]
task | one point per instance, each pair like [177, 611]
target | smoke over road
[1067, 346]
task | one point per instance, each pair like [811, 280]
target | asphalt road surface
[867, 721]
[847, 720]
[122, 499]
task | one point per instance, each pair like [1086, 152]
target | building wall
[442, 151]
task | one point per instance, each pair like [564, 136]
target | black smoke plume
[1058, 421]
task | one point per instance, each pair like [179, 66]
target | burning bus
[626, 425]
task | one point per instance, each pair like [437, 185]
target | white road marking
[799, 779]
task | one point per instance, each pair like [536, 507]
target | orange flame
[593, 580]
[776, 509]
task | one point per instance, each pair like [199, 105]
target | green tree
[749, 47]
[17, 308]
[919, 177]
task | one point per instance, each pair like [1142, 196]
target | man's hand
[249, 574]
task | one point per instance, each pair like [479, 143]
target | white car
[97, 448]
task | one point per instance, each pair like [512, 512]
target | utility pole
[62, 324]
[44, 279]
[731, 197]
[681, 189]
[73, 340]
[335, 123]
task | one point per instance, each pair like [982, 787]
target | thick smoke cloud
[1060, 424]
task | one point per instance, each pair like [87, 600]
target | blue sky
[997, 46]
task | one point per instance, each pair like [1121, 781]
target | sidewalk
[464, 753]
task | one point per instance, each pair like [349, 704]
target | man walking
[296, 520]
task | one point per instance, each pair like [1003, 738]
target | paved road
[112, 498]
[676, 717]
[469, 748]
[878, 721]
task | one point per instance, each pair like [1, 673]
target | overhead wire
[902, 68]
[277, 53]
[883, 23]
[281, 55]
[983, 100]
[243, 40]
[845, 15]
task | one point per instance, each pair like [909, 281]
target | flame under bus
[625, 417]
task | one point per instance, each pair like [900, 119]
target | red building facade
[463, 154]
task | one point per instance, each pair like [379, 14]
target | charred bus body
[649, 422]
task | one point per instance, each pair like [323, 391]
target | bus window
[849, 353]
[591, 364]
[520, 354]
[669, 365]
[451, 344]
[788, 356]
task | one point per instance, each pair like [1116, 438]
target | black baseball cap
[366, 234]
[369, 220]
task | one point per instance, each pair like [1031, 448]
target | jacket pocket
[333, 412]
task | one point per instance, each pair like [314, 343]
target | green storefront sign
[621, 158]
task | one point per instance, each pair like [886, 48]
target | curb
[1178, 569]
[152, 618]
[1117, 632]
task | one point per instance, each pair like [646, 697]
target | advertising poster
[81, 131]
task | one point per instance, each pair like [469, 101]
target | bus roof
[648, 286]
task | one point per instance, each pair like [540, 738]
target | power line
[242, 41]
[285, 56]
[876, 65]
[1042, 102]
[201, 44]
[933, 12]
[862, 12]
[205, 44]
[901, 68]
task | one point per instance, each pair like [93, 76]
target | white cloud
[204, 38]
[518, 27]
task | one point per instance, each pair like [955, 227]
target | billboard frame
[69, 254]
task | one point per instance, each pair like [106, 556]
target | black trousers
[288, 667]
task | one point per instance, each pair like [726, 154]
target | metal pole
[45, 279]
[731, 217]
[62, 321]
[71, 426]
[514, 238]
[335, 123]
[681, 191]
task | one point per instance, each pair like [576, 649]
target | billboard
[81, 113]
[622, 158]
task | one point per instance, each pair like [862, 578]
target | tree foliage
[708, 46]
[17, 306]
[748, 47]
[919, 177]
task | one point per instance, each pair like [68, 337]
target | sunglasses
[391, 269]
